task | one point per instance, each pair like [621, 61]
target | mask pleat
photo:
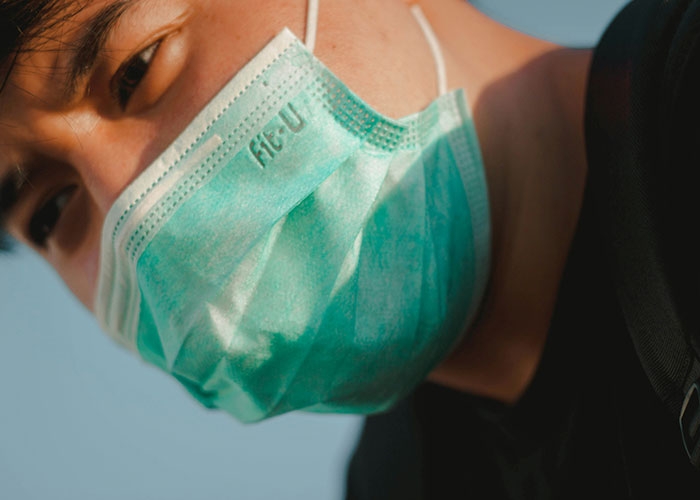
[301, 250]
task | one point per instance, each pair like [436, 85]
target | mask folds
[294, 249]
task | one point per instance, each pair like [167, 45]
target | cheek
[89, 269]
[225, 35]
[80, 269]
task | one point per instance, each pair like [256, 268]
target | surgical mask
[295, 249]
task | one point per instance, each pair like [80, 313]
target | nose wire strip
[311, 25]
[434, 45]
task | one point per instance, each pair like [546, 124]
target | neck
[527, 96]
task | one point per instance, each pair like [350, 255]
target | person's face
[80, 144]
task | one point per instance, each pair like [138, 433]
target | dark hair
[21, 21]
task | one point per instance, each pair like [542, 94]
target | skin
[526, 95]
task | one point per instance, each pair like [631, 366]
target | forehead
[34, 62]
[51, 30]
[59, 32]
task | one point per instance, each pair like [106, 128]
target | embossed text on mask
[271, 141]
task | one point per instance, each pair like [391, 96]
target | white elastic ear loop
[311, 25]
[434, 48]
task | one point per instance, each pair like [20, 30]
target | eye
[130, 74]
[44, 220]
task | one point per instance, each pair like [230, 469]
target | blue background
[81, 418]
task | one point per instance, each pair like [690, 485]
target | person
[600, 416]
[98, 95]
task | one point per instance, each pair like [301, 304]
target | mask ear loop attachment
[434, 45]
[311, 25]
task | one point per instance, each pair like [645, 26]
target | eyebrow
[91, 43]
[83, 57]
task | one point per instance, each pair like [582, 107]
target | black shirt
[589, 425]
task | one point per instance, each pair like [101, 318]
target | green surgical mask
[295, 249]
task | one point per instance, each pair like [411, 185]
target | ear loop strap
[433, 43]
[434, 48]
[311, 25]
